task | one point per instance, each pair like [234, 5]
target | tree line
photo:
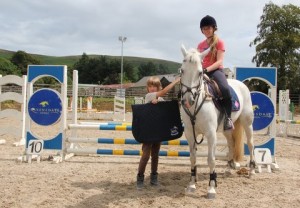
[91, 70]
[102, 70]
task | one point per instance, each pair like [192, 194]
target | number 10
[35, 147]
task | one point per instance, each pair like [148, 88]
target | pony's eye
[180, 70]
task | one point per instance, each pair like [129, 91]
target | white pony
[201, 117]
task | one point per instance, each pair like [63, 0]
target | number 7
[263, 154]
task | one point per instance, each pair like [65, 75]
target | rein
[197, 109]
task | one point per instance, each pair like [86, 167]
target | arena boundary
[75, 148]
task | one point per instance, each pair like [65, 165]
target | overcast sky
[154, 29]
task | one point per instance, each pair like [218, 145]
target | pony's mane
[193, 55]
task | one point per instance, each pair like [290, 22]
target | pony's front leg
[192, 184]
[211, 141]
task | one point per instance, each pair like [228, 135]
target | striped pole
[138, 152]
[288, 121]
[101, 127]
[106, 123]
[176, 142]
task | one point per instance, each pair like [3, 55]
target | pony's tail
[238, 139]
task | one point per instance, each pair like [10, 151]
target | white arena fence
[19, 96]
[287, 126]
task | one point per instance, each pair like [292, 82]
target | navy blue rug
[156, 122]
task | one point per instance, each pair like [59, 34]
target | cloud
[154, 29]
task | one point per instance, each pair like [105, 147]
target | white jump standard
[47, 106]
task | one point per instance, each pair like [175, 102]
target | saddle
[213, 90]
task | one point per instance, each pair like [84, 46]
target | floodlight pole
[122, 39]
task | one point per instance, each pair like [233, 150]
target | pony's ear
[204, 53]
[180, 70]
[183, 50]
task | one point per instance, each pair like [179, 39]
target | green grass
[71, 60]
[6, 54]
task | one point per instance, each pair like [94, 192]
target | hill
[70, 60]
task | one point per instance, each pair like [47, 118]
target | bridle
[195, 92]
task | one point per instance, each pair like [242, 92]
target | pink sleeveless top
[207, 61]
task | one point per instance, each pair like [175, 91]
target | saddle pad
[234, 99]
[156, 122]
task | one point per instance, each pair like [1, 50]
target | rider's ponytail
[213, 47]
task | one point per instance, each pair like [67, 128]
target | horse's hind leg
[192, 184]
[230, 144]
[249, 136]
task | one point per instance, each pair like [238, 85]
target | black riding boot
[139, 181]
[153, 179]
[228, 124]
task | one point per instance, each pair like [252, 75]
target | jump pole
[176, 142]
[92, 150]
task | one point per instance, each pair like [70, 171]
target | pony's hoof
[252, 173]
[228, 172]
[237, 165]
[211, 194]
[231, 165]
[190, 190]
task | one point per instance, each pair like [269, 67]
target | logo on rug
[174, 131]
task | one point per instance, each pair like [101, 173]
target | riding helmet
[208, 21]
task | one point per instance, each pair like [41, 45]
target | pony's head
[191, 75]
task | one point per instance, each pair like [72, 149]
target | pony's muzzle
[191, 100]
[188, 102]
